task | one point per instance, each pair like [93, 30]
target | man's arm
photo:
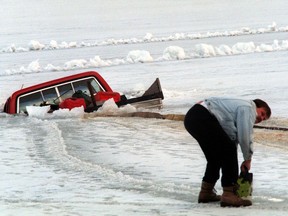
[245, 121]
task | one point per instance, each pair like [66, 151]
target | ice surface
[70, 164]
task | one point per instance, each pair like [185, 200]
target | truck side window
[50, 95]
[82, 85]
[65, 92]
[96, 86]
[36, 99]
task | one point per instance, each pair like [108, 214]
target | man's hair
[262, 104]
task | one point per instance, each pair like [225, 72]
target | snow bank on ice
[143, 56]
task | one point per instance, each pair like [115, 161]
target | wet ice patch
[272, 199]
[275, 200]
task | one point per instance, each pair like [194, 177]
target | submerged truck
[88, 89]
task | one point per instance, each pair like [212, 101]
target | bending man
[219, 125]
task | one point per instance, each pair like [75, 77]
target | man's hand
[247, 164]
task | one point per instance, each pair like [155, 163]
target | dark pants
[220, 151]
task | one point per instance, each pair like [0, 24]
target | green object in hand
[245, 181]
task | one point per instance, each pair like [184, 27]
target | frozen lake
[69, 164]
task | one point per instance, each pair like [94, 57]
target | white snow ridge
[75, 163]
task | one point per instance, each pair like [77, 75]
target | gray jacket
[237, 117]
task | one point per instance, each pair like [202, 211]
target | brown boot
[230, 198]
[208, 193]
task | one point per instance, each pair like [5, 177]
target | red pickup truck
[87, 89]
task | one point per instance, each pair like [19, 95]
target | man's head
[262, 109]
